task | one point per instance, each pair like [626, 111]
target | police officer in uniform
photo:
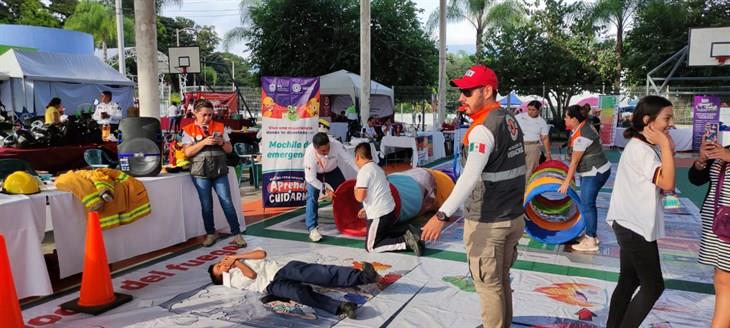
[492, 188]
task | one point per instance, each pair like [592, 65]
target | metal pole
[120, 38]
[442, 66]
[145, 29]
[364, 61]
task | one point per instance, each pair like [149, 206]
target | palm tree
[238, 34]
[98, 20]
[482, 14]
[617, 13]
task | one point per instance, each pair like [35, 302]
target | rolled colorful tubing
[345, 208]
[552, 221]
[415, 191]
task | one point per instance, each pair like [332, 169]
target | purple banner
[290, 111]
[705, 110]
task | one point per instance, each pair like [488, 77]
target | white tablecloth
[410, 142]
[682, 138]
[23, 223]
[175, 218]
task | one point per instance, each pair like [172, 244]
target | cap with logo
[477, 76]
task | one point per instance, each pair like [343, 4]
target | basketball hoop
[183, 69]
[721, 59]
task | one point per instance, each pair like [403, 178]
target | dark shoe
[271, 298]
[348, 309]
[369, 275]
[413, 242]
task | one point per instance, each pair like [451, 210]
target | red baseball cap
[477, 76]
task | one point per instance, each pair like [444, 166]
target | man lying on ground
[252, 271]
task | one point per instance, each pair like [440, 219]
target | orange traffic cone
[97, 294]
[9, 305]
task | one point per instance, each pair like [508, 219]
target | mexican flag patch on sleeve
[477, 147]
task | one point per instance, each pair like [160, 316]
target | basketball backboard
[709, 46]
[184, 58]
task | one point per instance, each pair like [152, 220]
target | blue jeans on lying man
[334, 178]
[589, 188]
[205, 188]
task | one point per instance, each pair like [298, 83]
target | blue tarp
[510, 100]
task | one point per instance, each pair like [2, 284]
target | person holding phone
[206, 143]
[713, 158]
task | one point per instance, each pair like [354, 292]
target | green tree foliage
[555, 54]
[27, 12]
[98, 20]
[315, 37]
[483, 15]
[63, 8]
[617, 13]
[661, 28]
[191, 35]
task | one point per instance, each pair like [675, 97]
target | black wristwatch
[442, 216]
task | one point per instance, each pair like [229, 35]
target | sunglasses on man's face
[467, 92]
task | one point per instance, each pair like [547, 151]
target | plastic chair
[97, 158]
[246, 160]
[10, 165]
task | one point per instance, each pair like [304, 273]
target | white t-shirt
[173, 111]
[635, 201]
[581, 144]
[111, 108]
[477, 159]
[378, 200]
[532, 128]
[313, 163]
[265, 272]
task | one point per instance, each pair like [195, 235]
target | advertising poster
[609, 111]
[290, 112]
[705, 110]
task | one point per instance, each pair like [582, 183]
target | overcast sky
[224, 15]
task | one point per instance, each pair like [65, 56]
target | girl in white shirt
[635, 213]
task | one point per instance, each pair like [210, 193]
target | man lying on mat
[252, 271]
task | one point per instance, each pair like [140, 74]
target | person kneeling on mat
[291, 281]
[373, 191]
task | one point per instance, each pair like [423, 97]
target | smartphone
[216, 135]
[711, 132]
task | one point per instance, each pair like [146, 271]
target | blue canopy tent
[510, 100]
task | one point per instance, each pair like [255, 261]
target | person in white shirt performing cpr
[322, 174]
[373, 191]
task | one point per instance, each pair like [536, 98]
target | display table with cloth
[426, 146]
[175, 218]
[55, 159]
[231, 123]
[682, 138]
[23, 223]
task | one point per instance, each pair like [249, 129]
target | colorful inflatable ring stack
[552, 218]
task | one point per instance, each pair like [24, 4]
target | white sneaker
[314, 235]
[598, 241]
[587, 244]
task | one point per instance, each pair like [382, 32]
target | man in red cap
[492, 188]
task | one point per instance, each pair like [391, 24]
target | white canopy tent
[36, 77]
[344, 87]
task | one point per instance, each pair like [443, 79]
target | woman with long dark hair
[712, 166]
[636, 213]
[588, 161]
